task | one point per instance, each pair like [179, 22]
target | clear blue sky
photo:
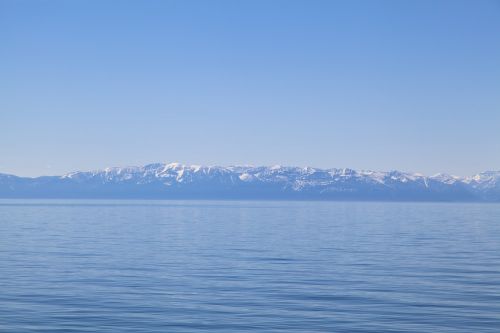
[409, 85]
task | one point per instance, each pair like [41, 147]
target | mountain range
[178, 181]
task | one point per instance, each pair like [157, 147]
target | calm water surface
[199, 266]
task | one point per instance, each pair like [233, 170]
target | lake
[230, 266]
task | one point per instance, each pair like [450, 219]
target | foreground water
[167, 266]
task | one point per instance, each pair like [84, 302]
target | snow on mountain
[484, 179]
[176, 180]
[486, 185]
[446, 179]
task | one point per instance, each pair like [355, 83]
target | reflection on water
[200, 266]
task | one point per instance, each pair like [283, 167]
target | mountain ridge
[179, 181]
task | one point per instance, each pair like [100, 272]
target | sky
[379, 85]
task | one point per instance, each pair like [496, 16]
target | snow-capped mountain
[178, 181]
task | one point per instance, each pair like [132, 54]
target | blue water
[199, 266]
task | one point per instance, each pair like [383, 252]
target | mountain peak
[177, 180]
